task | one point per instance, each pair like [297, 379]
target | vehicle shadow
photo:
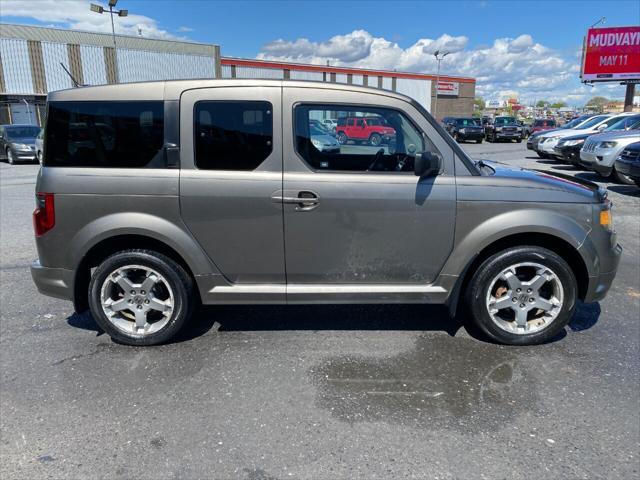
[630, 190]
[568, 167]
[591, 176]
[253, 318]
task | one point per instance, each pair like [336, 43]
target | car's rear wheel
[618, 177]
[141, 297]
[10, 158]
[39, 157]
[342, 138]
[542, 155]
[375, 139]
[522, 296]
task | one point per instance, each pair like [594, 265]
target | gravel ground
[316, 392]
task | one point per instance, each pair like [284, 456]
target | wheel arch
[108, 246]
[555, 243]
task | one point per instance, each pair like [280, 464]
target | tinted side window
[232, 135]
[105, 134]
[391, 148]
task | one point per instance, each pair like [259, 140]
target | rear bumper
[53, 282]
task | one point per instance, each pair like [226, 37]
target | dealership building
[35, 61]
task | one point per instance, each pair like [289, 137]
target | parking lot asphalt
[316, 391]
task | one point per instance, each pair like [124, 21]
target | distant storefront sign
[494, 104]
[611, 53]
[448, 88]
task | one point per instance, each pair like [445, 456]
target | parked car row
[20, 143]
[492, 129]
[594, 142]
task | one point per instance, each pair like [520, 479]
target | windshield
[316, 130]
[591, 122]
[22, 132]
[622, 123]
[465, 122]
[576, 121]
[544, 123]
[505, 120]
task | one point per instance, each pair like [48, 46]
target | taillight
[44, 216]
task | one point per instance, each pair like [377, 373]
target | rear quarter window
[108, 134]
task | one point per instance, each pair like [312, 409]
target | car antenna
[75, 82]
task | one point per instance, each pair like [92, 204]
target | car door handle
[304, 201]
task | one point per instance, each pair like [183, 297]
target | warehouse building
[35, 61]
[455, 94]
[32, 60]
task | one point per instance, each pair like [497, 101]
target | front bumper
[603, 164]
[507, 135]
[24, 155]
[54, 282]
[548, 147]
[570, 154]
[630, 168]
[471, 135]
[600, 284]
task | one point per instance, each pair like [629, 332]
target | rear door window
[232, 135]
[110, 134]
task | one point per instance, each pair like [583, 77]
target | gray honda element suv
[156, 197]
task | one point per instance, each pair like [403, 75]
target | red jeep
[372, 130]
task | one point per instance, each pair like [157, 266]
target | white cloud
[518, 67]
[185, 29]
[75, 14]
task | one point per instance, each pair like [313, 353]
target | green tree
[558, 104]
[597, 103]
[479, 103]
[541, 103]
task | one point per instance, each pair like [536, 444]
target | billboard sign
[611, 53]
[448, 88]
[494, 104]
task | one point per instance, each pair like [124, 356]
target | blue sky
[529, 49]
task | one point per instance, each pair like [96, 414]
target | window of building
[366, 139]
[115, 134]
[232, 135]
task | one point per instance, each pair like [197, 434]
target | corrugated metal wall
[52, 55]
[93, 69]
[250, 72]
[140, 65]
[303, 75]
[16, 66]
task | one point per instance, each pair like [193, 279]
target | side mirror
[427, 164]
[601, 127]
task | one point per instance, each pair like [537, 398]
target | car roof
[172, 89]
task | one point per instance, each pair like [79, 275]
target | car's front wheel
[618, 177]
[522, 296]
[11, 159]
[375, 139]
[342, 138]
[141, 297]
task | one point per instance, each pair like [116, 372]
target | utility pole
[439, 56]
[120, 13]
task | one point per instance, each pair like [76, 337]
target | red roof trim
[241, 62]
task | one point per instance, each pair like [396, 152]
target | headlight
[463, 130]
[607, 144]
[519, 129]
[21, 146]
[498, 129]
[316, 143]
[571, 143]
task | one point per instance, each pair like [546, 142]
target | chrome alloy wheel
[524, 298]
[137, 300]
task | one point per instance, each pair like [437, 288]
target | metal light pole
[439, 56]
[28, 109]
[120, 13]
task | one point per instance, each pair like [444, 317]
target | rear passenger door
[231, 167]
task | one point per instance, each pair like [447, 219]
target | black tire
[10, 159]
[342, 138]
[477, 290]
[456, 137]
[479, 140]
[519, 140]
[375, 139]
[618, 177]
[180, 282]
[542, 155]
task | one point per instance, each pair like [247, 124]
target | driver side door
[364, 226]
